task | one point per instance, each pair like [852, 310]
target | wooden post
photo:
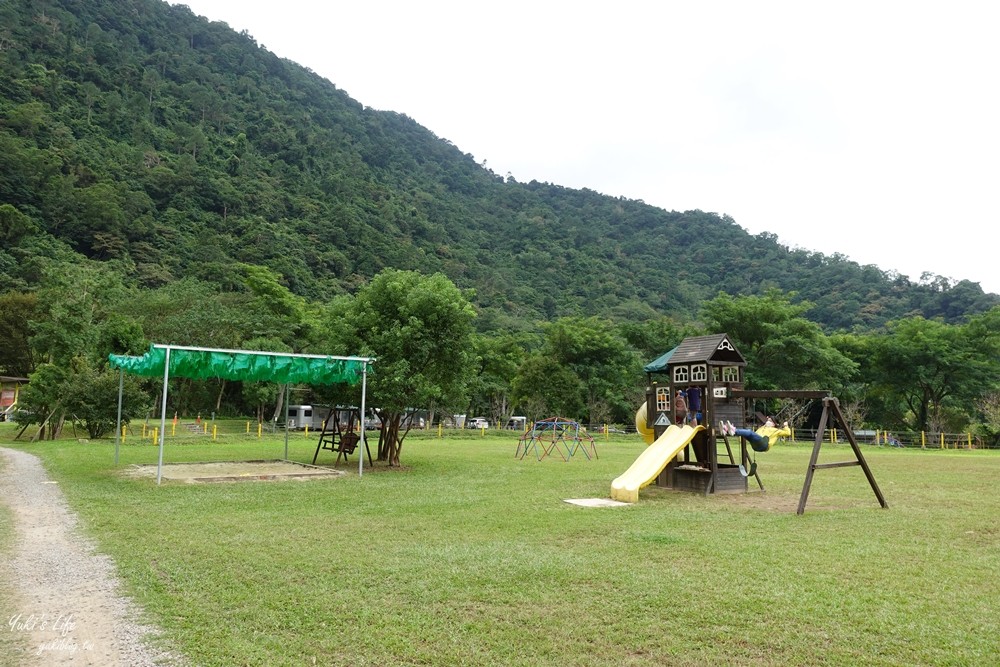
[831, 404]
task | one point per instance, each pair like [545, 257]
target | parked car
[477, 422]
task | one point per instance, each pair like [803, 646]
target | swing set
[714, 369]
[831, 415]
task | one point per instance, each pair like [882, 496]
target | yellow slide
[651, 462]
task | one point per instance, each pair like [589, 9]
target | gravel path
[68, 606]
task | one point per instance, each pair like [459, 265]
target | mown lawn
[468, 556]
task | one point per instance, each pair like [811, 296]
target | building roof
[714, 348]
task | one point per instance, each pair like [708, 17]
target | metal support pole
[285, 408]
[118, 425]
[163, 416]
[364, 441]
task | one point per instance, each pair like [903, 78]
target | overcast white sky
[868, 128]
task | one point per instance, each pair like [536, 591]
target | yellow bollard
[156, 434]
[942, 442]
[204, 428]
[482, 431]
[248, 427]
[923, 440]
[439, 429]
[260, 428]
[144, 430]
[124, 433]
[970, 440]
[173, 429]
[215, 431]
[306, 433]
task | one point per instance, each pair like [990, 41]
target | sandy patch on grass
[234, 471]
[595, 502]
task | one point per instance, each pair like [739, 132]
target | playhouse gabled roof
[716, 348]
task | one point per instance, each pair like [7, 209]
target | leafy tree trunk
[854, 412]
[500, 408]
[218, 398]
[989, 406]
[383, 452]
[598, 410]
[280, 403]
[391, 436]
[55, 429]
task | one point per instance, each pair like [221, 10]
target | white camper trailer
[301, 416]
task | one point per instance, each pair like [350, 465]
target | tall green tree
[496, 360]
[73, 330]
[546, 388]
[90, 396]
[281, 314]
[17, 311]
[593, 374]
[74, 302]
[784, 350]
[652, 337]
[420, 329]
[41, 401]
[933, 369]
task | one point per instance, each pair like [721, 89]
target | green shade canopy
[204, 363]
[660, 364]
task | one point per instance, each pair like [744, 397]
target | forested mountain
[139, 134]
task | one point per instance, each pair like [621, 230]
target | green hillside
[136, 133]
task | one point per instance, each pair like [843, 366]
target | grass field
[468, 556]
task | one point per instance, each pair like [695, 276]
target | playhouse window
[730, 373]
[681, 374]
[699, 373]
[716, 373]
[662, 399]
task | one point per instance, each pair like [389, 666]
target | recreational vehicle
[301, 416]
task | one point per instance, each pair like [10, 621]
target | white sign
[662, 420]
[719, 392]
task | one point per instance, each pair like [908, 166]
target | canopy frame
[121, 362]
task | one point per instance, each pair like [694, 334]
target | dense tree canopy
[136, 133]
[930, 375]
[784, 349]
[420, 330]
[164, 178]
